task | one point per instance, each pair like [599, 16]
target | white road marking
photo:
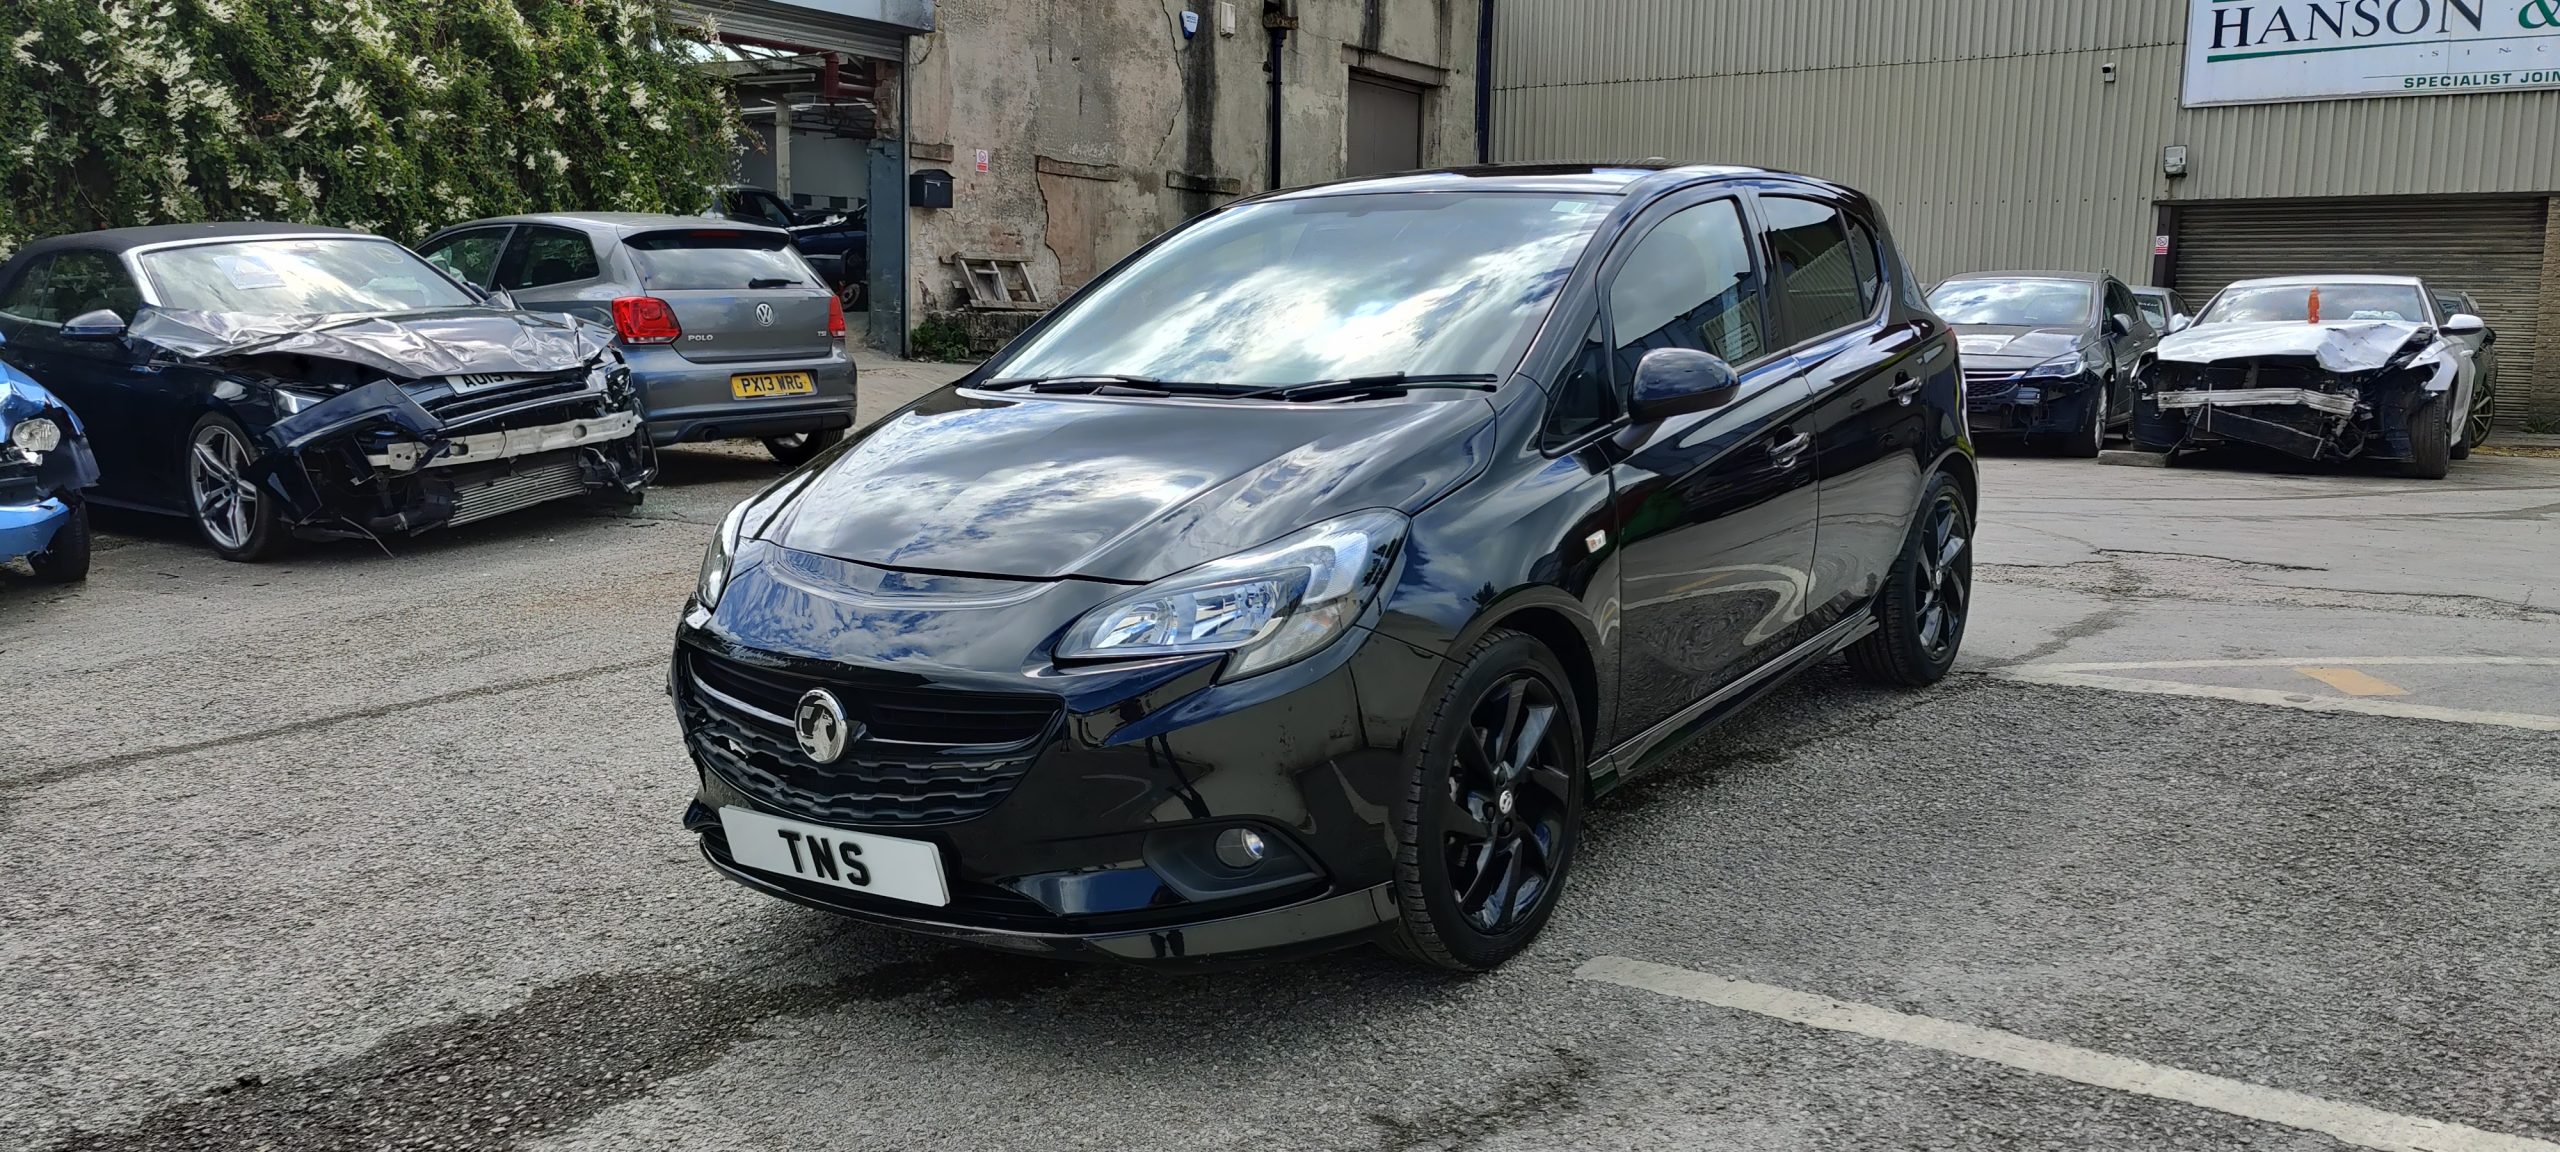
[2290, 661]
[2300, 701]
[2352, 1123]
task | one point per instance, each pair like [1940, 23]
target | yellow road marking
[2353, 682]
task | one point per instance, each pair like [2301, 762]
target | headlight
[289, 401]
[717, 558]
[36, 436]
[2067, 364]
[1268, 606]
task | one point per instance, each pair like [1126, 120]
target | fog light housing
[1241, 848]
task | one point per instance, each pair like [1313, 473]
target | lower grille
[892, 708]
[524, 488]
[1979, 382]
[863, 787]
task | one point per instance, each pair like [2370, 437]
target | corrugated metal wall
[1984, 126]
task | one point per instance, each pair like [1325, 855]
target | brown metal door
[1385, 127]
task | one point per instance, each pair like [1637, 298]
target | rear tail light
[645, 320]
[835, 317]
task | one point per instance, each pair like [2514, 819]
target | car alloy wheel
[1943, 576]
[2484, 415]
[1509, 798]
[226, 502]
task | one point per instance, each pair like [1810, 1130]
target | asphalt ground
[355, 851]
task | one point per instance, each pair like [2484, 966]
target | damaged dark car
[2321, 368]
[273, 382]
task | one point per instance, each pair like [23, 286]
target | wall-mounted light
[2107, 72]
[2173, 161]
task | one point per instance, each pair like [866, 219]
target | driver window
[1690, 283]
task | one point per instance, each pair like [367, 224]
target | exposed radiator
[540, 484]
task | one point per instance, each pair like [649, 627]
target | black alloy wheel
[1920, 616]
[2092, 439]
[1492, 812]
[799, 448]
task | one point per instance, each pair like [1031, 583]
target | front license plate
[772, 384]
[909, 870]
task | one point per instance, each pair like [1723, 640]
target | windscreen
[1325, 288]
[2014, 303]
[2291, 303]
[2154, 309]
[716, 258]
[299, 278]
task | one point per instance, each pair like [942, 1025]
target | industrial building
[2186, 143]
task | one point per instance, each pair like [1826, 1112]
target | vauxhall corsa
[1300, 581]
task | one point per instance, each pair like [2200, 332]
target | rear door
[1871, 434]
[552, 269]
[741, 296]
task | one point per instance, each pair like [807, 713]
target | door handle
[1784, 452]
[1905, 389]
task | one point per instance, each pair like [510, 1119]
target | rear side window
[543, 256]
[1690, 283]
[715, 258]
[1820, 279]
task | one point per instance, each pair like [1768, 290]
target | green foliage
[940, 338]
[395, 116]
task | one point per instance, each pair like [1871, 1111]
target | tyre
[230, 512]
[2430, 440]
[1492, 811]
[66, 559]
[801, 447]
[2481, 420]
[2086, 444]
[1920, 615]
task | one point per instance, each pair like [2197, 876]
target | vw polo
[1299, 581]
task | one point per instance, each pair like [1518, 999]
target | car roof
[128, 239]
[618, 223]
[1588, 179]
[2019, 274]
[2283, 281]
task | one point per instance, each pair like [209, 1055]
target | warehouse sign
[2265, 51]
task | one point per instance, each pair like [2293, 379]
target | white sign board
[2267, 51]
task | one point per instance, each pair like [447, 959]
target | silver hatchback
[728, 332]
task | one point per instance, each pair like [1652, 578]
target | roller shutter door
[2489, 248]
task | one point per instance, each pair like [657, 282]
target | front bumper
[2011, 404]
[26, 529]
[1090, 837]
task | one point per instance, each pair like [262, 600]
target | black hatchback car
[1300, 580]
[2049, 356]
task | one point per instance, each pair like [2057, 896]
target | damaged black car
[274, 382]
[2322, 368]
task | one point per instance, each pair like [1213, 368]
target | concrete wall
[1103, 126]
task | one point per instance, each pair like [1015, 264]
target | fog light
[1241, 848]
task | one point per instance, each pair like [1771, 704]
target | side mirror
[2119, 324]
[2181, 322]
[102, 324]
[1678, 381]
[2465, 324]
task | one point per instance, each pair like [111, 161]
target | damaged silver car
[273, 382]
[2323, 368]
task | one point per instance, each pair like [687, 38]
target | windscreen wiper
[1376, 385]
[1113, 384]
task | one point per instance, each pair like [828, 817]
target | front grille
[897, 712]
[463, 407]
[1985, 382]
[868, 785]
[524, 488]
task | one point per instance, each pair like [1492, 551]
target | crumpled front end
[396, 425]
[2322, 393]
[44, 466]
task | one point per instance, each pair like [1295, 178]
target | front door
[1716, 509]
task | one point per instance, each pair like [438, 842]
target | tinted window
[1818, 276]
[2016, 303]
[715, 258]
[1690, 283]
[471, 257]
[1585, 396]
[66, 285]
[298, 278]
[1289, 291]
[760, 207]
[2292, 303]
[2120, 302]
[548, 256]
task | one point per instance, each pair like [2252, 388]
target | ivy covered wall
[395, 116]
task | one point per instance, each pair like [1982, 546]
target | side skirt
[1649, 748]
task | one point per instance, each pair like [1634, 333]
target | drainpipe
[1278, 16]
[1484, 82]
